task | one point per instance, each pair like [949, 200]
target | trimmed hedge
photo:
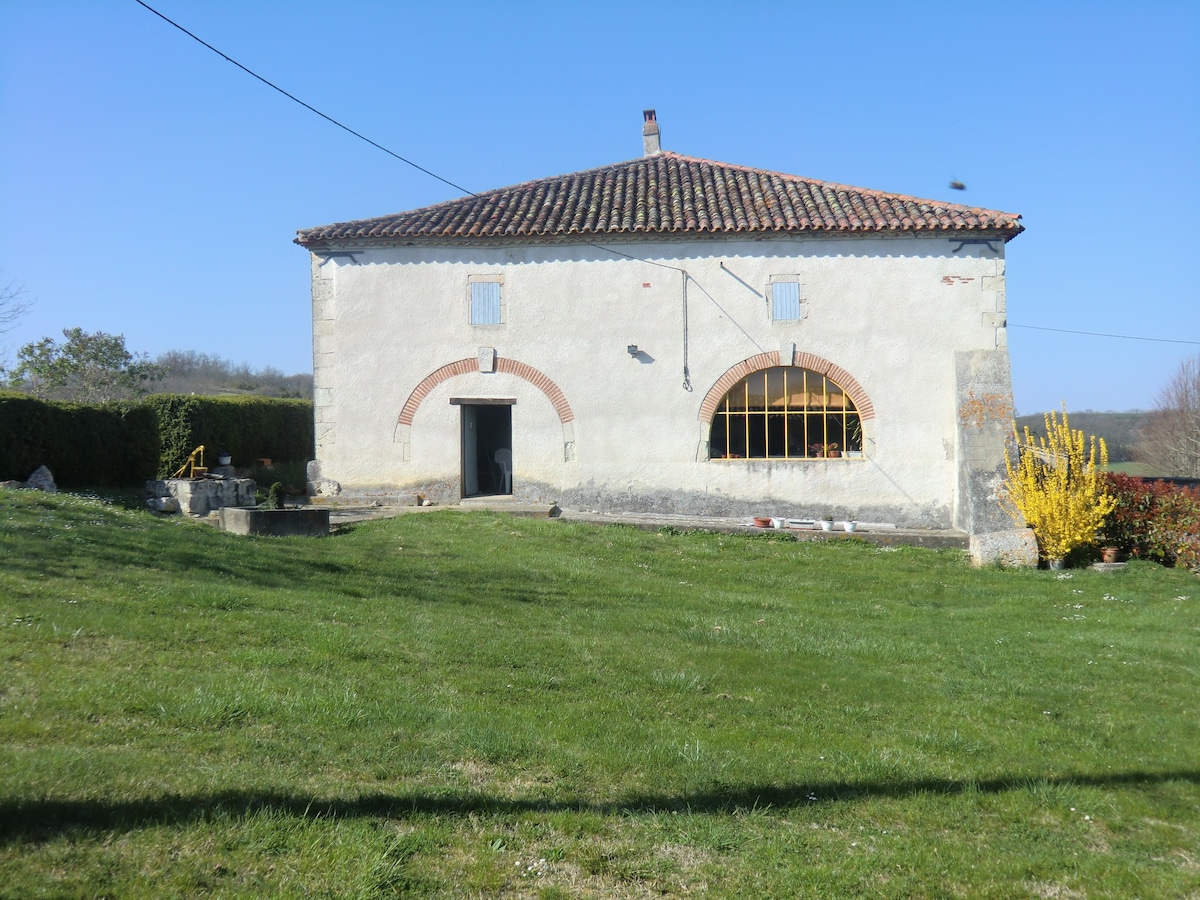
[121, 444]
[114, 444]
[248, 428]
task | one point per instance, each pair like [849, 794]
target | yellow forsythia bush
[1056, 484]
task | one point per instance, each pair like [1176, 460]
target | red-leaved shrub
[1154, 520]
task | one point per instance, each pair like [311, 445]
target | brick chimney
[650, 140]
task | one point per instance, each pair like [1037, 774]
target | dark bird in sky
[957, 186]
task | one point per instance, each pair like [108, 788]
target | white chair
[504, 461]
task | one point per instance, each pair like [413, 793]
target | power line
[1124, 337]
[459, 187]
[276, 87]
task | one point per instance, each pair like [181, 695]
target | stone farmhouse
[675, 335]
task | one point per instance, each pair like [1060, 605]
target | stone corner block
[1015, 548]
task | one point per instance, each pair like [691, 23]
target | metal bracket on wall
[352, 255]
[985, 242]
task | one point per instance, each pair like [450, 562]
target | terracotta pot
[1109, 554]
[762, 521]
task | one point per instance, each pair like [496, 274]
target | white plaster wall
[890, 310]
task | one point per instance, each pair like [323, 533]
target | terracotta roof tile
[669, 194]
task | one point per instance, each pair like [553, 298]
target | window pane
[776, 396]
[485, 303]
[757, 439]
[853, 432]
[776, 436]
[756, 391]
[797, 447]
[718, 437]
[785, 301]
[737, 437]
[736, 397]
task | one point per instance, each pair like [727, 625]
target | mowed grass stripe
[468, 704]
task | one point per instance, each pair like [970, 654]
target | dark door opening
[486, 449]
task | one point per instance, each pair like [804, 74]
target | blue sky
[150, 188]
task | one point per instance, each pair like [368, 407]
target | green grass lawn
[1131, 468]
[471, 705]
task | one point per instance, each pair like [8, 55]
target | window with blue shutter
[486, 305]
[785, 301]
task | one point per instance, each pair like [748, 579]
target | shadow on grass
[39, 820]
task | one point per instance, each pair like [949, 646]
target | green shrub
[275, 495]
[248, 428]
[83, 446]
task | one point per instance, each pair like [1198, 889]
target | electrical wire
[313, 109]
[459, 187]
[431, 174]
[686, 275]
[1123, 337]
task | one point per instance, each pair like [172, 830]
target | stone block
[276, 522]
[1015, 548]
[200, 496]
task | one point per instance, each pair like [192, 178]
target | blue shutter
[485, 303]
[785, 301]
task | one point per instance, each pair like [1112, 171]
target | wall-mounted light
[632, 350]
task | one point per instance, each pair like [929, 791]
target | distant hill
[1119, 429]
[188, 372]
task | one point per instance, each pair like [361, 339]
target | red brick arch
[466, 366]
[835, 373]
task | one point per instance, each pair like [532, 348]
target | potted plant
[826, 522]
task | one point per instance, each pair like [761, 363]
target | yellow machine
[194, 469]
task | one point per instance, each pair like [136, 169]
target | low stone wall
[277, 522]
[200, 496]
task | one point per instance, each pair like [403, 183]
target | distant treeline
[189, 372]
[1120, 430]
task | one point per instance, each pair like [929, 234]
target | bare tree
[1170, 437]
[13, 305]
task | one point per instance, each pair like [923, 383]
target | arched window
[785, 412]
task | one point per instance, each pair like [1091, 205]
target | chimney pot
[651, 143]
